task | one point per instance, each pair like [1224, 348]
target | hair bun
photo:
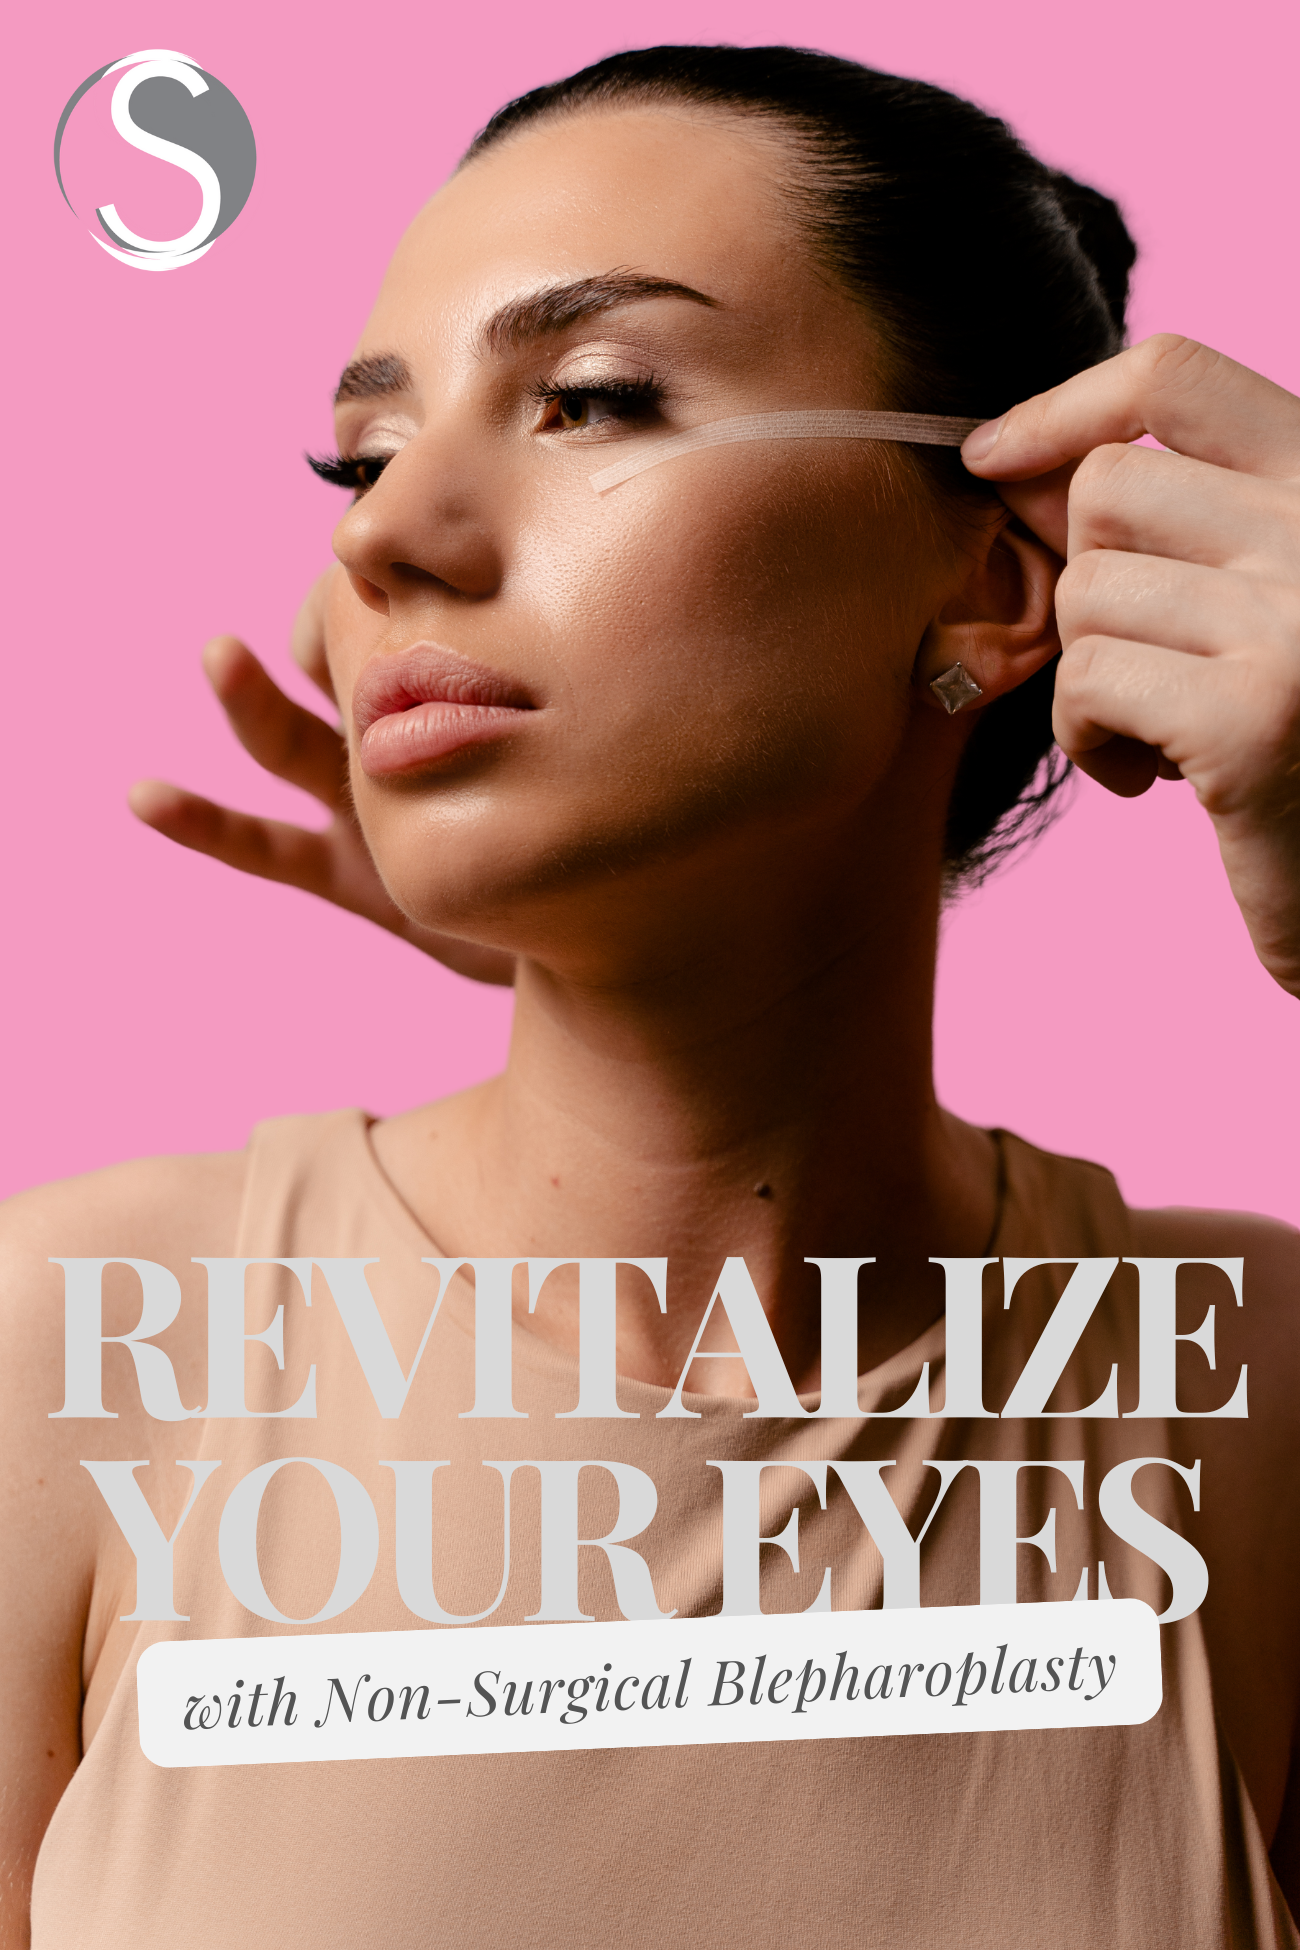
[1103, 238]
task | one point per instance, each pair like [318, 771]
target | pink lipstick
[421, 705]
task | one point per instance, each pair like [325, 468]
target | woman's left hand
[301, 748]
[1179, 606]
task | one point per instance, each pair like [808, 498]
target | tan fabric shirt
[1140, 1838]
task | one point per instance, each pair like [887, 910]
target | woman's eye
[355, 471]
[569, 409]
[583, 409]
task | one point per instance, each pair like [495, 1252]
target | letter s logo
[177, 99]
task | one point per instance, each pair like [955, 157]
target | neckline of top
[884, 1379]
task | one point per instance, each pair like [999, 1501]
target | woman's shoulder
[1066, 1206]
[1188, 1231]
[178, 1207]
[1052, 1185]
[164, 1210]
[1264, 1329]
[144, 1208]
[65, 1563]
[1269, 1250]
[173, 1211]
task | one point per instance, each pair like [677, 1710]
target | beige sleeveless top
[1136, 1838]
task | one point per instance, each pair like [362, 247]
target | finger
[1109, 709]
[307, 638]
[1185, 395]
[1124, 766]
[293, 744]
[1196, 712]
[295, 857]
[1176, 605]
[1043, 505]
[265, 847]
[491, 965]
[1163, 504]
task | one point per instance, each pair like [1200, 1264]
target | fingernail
[977, 445]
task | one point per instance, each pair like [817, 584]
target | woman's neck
[766, 1095]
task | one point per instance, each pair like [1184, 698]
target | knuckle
[1079, 588]
[1172, 360]
[1100, 475]
[1077, 670]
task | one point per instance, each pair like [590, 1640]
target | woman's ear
[1001, 623]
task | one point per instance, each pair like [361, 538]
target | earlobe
[997, 629]
[955, 688]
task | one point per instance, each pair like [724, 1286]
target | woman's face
[575, 714]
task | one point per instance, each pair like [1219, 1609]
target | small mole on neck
[763, 1191]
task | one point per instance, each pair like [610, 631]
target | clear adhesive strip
[918, 429]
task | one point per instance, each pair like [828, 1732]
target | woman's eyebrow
[372, 378]
[557, 306]
[552, 309]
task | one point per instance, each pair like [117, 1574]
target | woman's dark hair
[990, 276]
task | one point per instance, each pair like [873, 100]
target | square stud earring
[955, 687]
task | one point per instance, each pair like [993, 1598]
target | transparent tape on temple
[918, 429]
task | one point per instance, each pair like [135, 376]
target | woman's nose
[424, 527]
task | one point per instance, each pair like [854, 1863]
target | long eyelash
[614, 392]
[356, 472]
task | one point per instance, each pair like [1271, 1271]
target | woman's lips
[415, 708]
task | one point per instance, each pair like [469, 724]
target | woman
[675, 753]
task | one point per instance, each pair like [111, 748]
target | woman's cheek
[352, 634]
[704, 665]
[775, 603]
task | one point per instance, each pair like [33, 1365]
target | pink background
[1100, 996]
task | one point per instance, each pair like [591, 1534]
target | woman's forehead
[592, 195]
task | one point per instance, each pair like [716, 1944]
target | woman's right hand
[294, 744]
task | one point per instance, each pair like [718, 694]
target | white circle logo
[167, 106]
